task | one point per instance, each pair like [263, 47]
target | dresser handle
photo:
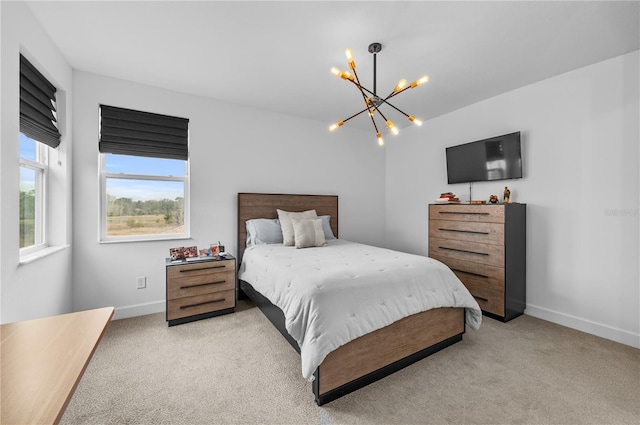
[463, 213]
[195, 269]
[462, 250]
[463, 231]
[203, 284]
[472, 274]
[480, 298]
[184, 307]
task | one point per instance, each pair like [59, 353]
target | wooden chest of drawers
[200, 289]
[485, 246]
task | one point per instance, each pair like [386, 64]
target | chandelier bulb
[421, 80]
[380, 141]
[349, 56]
[336, 125]
[345, 75]
[415, 120]
[400, 85]
[392, 128]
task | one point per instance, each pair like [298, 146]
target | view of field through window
[134, 215]
[147, 205]
[28, 200]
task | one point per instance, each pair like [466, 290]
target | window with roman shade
[144, 175]
[38, 119]
[129, 132]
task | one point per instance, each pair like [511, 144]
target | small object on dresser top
[477, 202]
[447, 197]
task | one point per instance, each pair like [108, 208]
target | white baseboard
[584, 325]
[139, 310]
[573, 322]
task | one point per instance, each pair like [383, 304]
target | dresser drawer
[489, 300]
[190, 306]
[492, 255]
[471, 231]
[479, 274]
[484, 213]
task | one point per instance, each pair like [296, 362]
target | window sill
[34, 256]
[145, 239]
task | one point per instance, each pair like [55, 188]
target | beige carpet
[238, 369]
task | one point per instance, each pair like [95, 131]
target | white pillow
[285, 217]
[262, 231]
[308, 232]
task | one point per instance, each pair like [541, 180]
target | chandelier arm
[382, 115]
[372, 120]
[395, 93]
[403, 113]
[355, 115]
[364, 97]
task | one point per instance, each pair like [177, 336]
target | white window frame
[104, 175]
[41, 167]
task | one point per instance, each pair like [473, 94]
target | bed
[339, 359]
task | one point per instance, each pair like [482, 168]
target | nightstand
[200, 288]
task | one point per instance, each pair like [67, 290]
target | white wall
[581, 183]
[42, 287]
[232, 149]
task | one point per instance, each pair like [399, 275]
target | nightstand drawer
[200, 284]
[492, 255]
[197, 270]
[481, 275]
[485, 213]
[191, 306]
[471, 231]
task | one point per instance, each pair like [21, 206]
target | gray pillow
[308, 232]
[263, 231]
[326, 227]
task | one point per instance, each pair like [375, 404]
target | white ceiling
[277, 55]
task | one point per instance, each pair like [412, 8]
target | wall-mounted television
[496, 158]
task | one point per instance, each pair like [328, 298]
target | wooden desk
[42, 361]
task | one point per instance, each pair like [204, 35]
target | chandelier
[373, 102]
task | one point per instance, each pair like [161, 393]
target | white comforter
[336, 293]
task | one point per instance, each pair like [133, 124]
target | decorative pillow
[308, 232]
[326, 227]
[262, 231]
[285, 217]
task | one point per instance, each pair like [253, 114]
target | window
[38, 134]
[144, 176]
[33, 183]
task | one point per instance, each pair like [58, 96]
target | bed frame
[372, 356]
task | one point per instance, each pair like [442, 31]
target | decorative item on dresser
[200, 289]
[485, 245]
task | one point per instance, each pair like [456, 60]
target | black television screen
[496, 158]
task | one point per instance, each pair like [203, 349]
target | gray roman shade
[129, 132]
[37, 106]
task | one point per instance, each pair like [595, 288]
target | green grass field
[140, 225]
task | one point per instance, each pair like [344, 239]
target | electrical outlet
[141, 282]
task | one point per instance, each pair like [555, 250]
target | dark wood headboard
[264, 205]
